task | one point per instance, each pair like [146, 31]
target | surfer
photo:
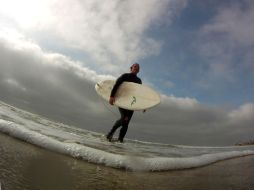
[125, 114]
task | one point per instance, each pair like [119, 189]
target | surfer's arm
[119, 81]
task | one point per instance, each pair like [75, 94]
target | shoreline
[25, 166]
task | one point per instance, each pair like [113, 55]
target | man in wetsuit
[125, 114]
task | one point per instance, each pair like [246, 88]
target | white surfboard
[129, 95]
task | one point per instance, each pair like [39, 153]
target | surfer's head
[135, 68]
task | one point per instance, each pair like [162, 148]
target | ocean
[91, 146]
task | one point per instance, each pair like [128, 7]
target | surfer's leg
[126, 120]
[117, 124]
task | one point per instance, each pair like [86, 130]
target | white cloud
[26, 13]
[111, 32]
[226, 43]
[13, 83]
[179, 102]
[243, 114]
[235, 23]
[25, 47]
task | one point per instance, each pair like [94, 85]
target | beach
[25, 166]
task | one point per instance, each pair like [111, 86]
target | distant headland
[251, 142]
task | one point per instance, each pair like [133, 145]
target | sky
[198, 55]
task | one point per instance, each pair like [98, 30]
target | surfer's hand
[112, 100]
[144, 111]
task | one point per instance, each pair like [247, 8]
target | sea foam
[92, 147]
[130, 162]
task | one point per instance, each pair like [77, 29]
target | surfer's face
[135, 68]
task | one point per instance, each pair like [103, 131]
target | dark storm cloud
[49, 84]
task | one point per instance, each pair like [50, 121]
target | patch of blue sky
[190, 73]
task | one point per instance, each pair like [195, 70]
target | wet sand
[24, 166]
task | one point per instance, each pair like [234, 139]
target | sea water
[90, 146]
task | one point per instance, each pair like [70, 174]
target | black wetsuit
[125, 114]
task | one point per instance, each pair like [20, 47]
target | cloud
[234, 23]
[25, 48]
[111, 33]
[243, 114]
[225, 43]
[179, 102]
[13, 83]
[47, 82]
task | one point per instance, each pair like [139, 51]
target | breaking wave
[92, 147]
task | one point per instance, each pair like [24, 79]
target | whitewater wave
[92, 147]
